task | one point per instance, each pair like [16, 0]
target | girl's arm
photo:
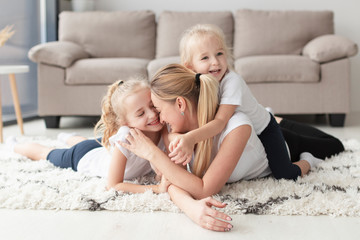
[201, 211]
[182, 146]
[215, 177]
[116, 177]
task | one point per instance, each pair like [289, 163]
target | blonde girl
[203, 49]
[126, 105]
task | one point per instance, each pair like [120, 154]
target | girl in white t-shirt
[127, 104]
[203, 49]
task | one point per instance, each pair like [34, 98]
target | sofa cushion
[277, 68]
[330, 47]
[111, 34]
[105, 70]
[61, 54]
[278, 32]
[171, 25]
[156, 64]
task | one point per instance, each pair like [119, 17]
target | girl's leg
[277, 154]
[304, 129]
[71, 141]
[304, 166]
[34, 151]
[70, 158]
[305, 138]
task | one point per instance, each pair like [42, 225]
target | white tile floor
[30, 224]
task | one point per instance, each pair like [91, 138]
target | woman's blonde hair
[174, 81]
[195, 35]
[113, 114]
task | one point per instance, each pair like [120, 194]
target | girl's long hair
[113, 114]
[174, 81]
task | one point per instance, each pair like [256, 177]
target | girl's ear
[181, 104]
[188, 65]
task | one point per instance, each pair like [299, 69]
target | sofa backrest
[111, 34]
[278, 32]
[172, 24]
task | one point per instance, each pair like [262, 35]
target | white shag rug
[331, 189]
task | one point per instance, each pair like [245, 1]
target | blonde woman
[187, 101]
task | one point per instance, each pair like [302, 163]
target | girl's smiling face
[209, 57]
[140, 112]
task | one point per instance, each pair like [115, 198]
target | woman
[186, 101]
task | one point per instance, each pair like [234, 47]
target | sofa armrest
[59, 53]
[329, 47]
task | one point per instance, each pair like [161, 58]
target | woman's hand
[140, 144]
[202, 213]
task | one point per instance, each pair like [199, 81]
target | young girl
[127, 104]
[203, 50]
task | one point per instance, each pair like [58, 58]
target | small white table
[11, 70]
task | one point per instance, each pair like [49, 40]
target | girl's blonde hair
[195, 35]
[174, 81]
[113, 114]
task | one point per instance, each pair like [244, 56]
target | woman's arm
[116, 177]
[215, 177]
[201, 211]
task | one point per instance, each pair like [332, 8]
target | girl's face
[140, 112]
[170, 114]
[209, 57]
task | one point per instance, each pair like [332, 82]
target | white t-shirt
[253, 162]
[97, 161]
[234, 91]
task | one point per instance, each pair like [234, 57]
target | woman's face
[170, 114]
[140, 112]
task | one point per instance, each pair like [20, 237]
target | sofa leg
[337, 120]
[52, 121]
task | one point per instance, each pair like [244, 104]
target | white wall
[23, 14]
[347, 18]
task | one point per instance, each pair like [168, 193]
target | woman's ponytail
[207, 107]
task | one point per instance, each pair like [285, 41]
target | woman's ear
[181, 104]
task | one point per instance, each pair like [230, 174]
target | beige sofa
[291, 60]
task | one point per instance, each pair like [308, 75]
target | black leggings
[277, 153]
[304, 138]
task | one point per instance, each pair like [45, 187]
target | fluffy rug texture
[331, 189]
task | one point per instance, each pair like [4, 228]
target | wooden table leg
[16, 102]
[1, 122]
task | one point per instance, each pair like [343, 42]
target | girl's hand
[202, 213]
[181, 149]
[139, 144]
[164, 184]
